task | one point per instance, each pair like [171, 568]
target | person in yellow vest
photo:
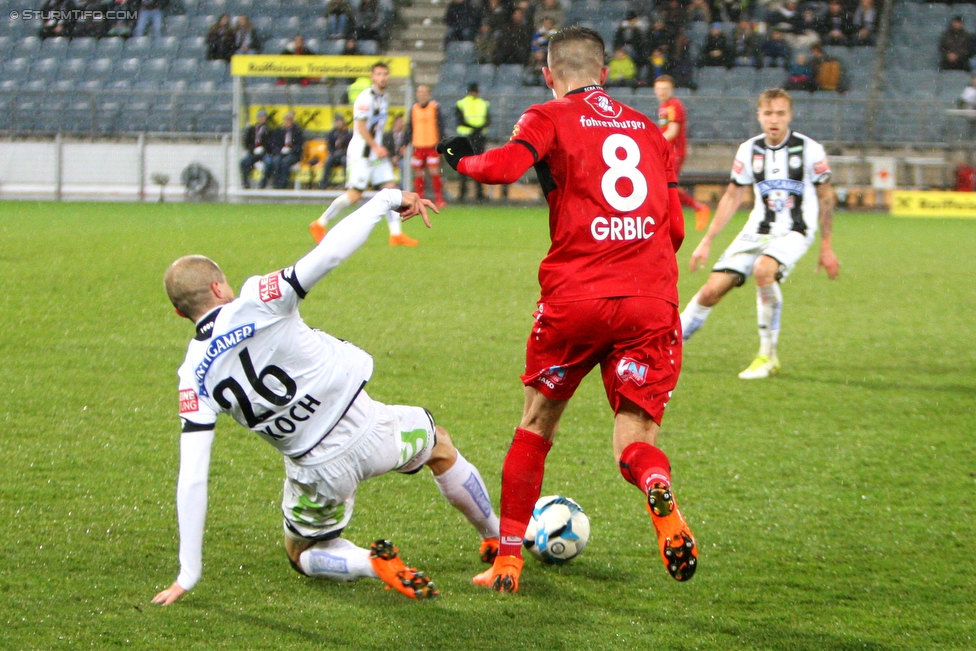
[424, 130]
[473, 118]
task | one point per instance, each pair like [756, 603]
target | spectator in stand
[657, 65]
[122, 27]
[800, 75]
[462, 20]
[968, 98]
[540, 40]
[220, 40]
[257, 147]
[807, 30]
[955, 46]
[865, 23]
[533, 71]
[339, 19]
[497, 15]
[246, 39]
[622, 71]
[784, 17]
[550, 9]
[484, 45]
[699, 12]
[350, 47]
[150, 10]
[681, 66]
[297, 47]
[372, 22]
[828, 74]
[746, 45]
[395, 141]
[673, 15]
[58, 23]
[836, 26]
[515, 40]
[716, 51]
[287, 144]
[732, 11]
[630, 36]
[336, 142]
[658, 37]
[776, 51]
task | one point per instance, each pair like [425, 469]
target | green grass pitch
[833, 505]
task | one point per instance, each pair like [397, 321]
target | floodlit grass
[833, 505]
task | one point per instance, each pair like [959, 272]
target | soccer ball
[558, 531]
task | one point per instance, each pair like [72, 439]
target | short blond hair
[188, 281]
[576, 52]
[770, 94]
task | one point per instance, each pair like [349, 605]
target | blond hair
[188, 281]
[770, 94]
[576, 53]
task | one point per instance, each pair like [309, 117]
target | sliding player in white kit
[302, 391]
[367, 160]
[791, 180]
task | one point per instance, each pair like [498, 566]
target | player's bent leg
[646, 466]
[462, 486]
[696, 312]
[336, 559]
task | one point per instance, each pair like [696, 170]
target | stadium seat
[216, 71]
[332, 46]
[54, 47]
[6, 47]
[483, 75]
[65, 85]
[368, 48]
[73, 68]
[290, 25]
[201, 24]
[100, 70]
[82, 47]
[508, 76]
[134, 116]
[453, 73]
[194, 47]
[155, 70]
[711, 81]
[459, 52]
[28, 46]
[264, 25]
[109, 47]
[130, 68]
[17, 69]
[741, 81]
[951, 83]
[184, 69]
[217, 6]
[44, 70]
[138, 46]
[168, 46]
[107, 116]
[176, 26]
[314, 45]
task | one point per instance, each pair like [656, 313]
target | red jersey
[606, 173]
[674, 111]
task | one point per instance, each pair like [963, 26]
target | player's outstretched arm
[191, 509]
[503, 165]
[352, 232]
[827, 260]
[727, 205]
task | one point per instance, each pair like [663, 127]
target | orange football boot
[674, 539]
[503, 575]
[702, 215]
[402, 240]
[391, 570]
[317, 230]
[489, 550]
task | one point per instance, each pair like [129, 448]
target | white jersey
[784, 179]
[372, 107]
[257, 360]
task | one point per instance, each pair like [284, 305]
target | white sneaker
[761, 367]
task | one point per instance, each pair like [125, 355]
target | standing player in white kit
[301, 390]
[367, 160]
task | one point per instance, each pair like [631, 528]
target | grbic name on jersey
[622, 228]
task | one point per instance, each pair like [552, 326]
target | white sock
[393, 221]
[465, 490]
[337, 560]
[693, 317]
[335, 209]
[769, 306]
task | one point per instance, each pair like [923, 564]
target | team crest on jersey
[269, 287]
[737, 166]
[629, 370]
[758, 160]
[822, 167]
[603, 105]
[795, 161]
[188, 401]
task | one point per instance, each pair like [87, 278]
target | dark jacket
[278, 139]
[251, 140]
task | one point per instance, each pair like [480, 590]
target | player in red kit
[609, 293]
[673, 120]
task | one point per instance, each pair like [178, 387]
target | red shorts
[424, 156]
[635, 340]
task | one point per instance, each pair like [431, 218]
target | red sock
[522, 473]
[687, 200]
[642, 464]
[418, 184]
[438, 187]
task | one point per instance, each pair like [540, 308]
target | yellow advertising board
[960, 205]
[278, 65]
[313, 118]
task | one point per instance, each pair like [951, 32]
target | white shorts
[741, 255]
[319, 493]
[362, 172]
